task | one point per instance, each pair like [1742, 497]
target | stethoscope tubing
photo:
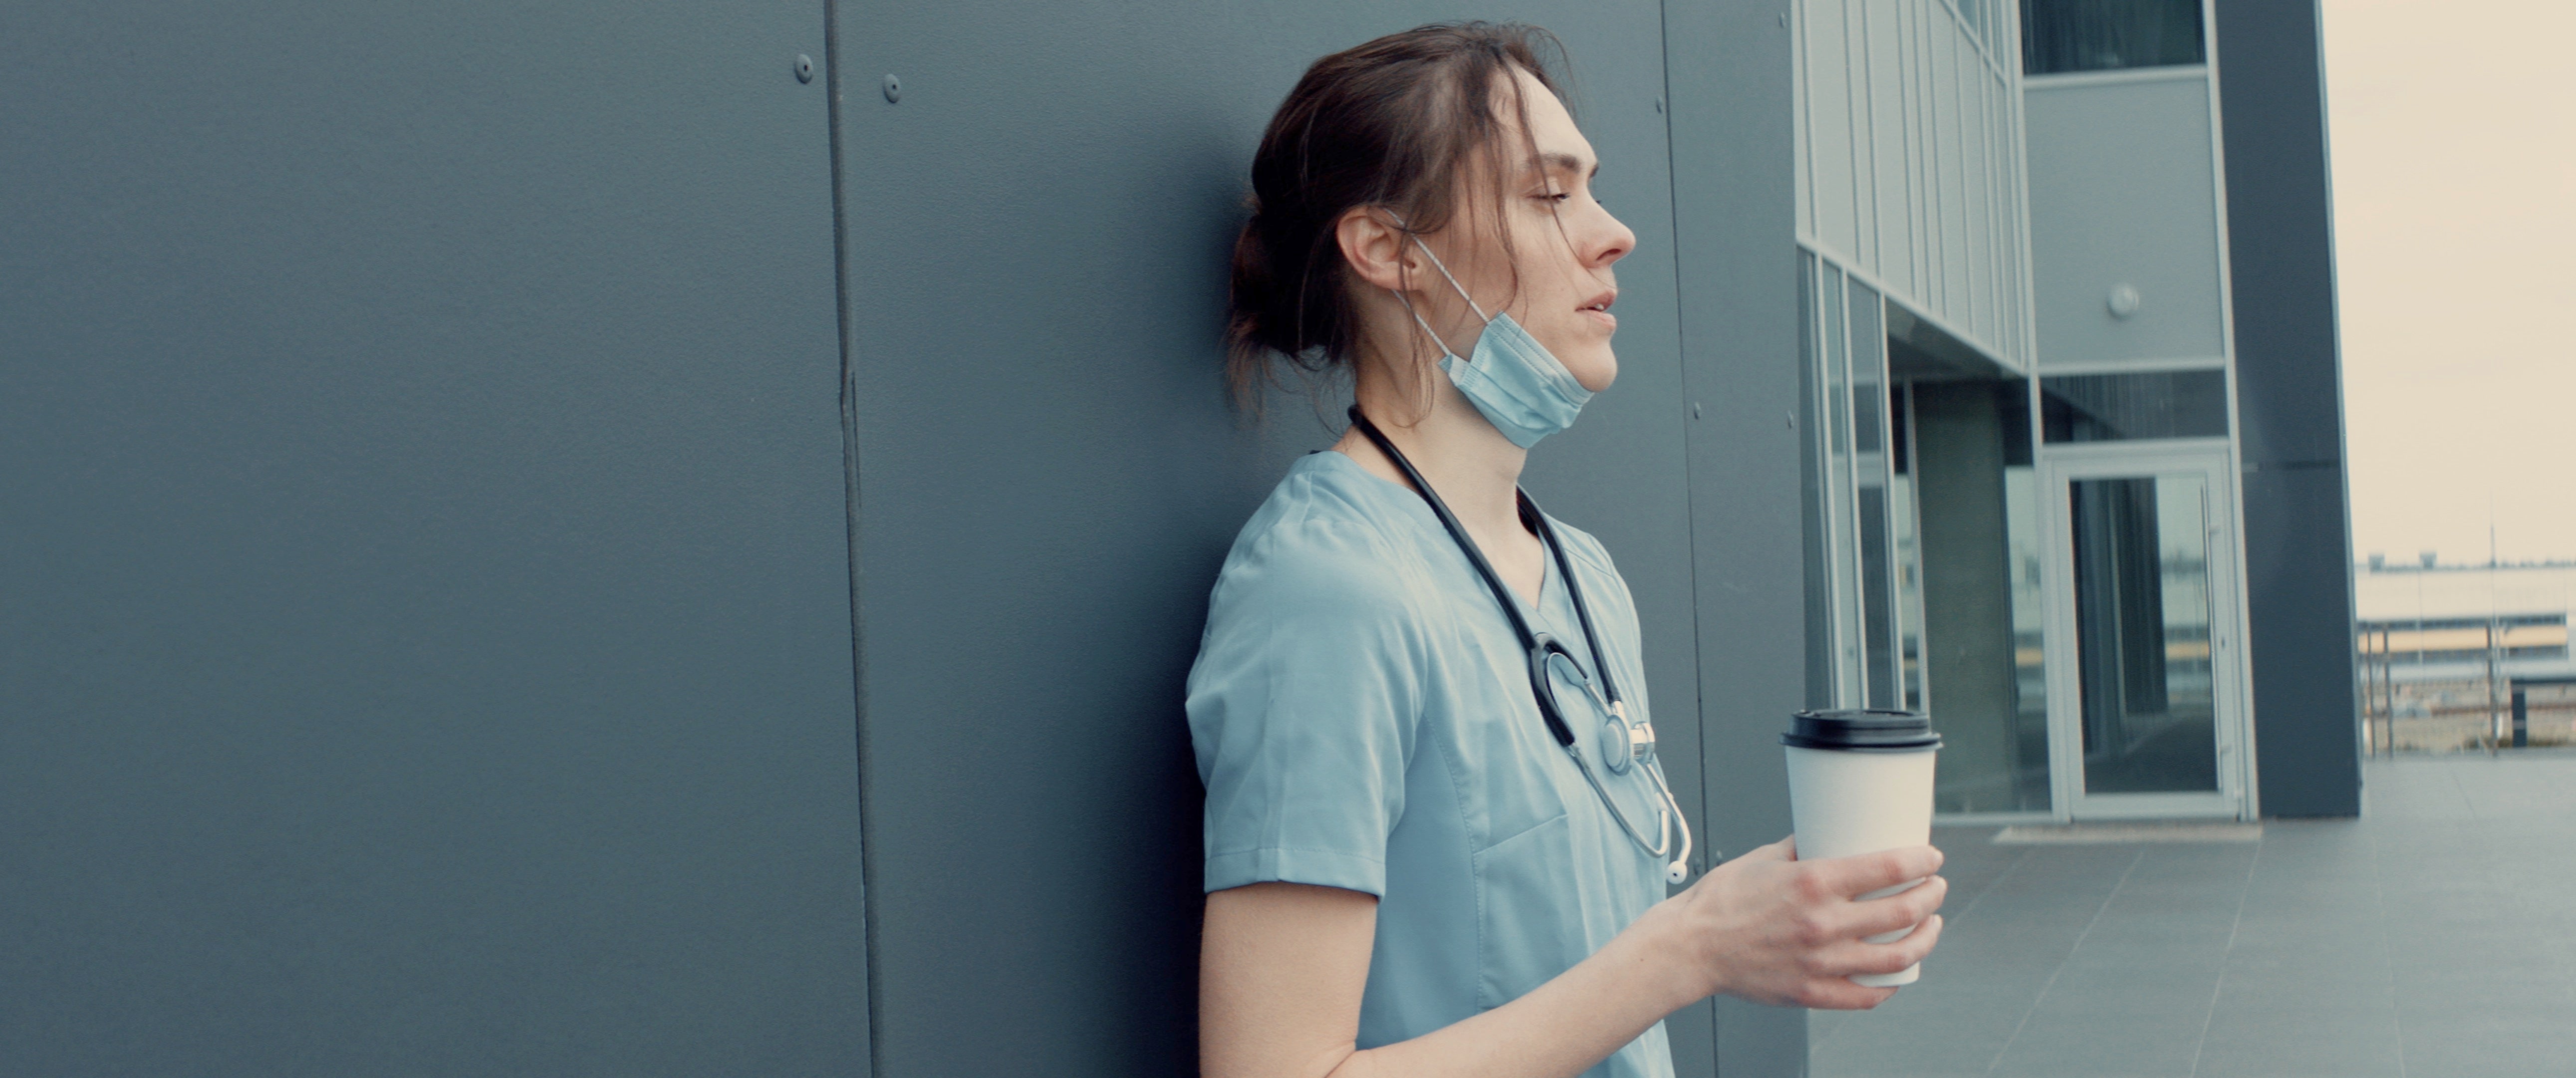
[1668, 812]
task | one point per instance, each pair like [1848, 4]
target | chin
[1595, 368]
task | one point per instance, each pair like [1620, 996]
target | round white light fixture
[2124, 300]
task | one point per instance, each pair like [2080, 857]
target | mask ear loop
[1427, 331]
[1481, 316]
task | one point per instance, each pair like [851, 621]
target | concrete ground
[2434, 936]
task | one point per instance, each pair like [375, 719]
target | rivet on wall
[893, 89]
[804, 68]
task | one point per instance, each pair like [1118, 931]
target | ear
[1378, 252]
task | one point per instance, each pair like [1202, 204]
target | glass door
[2146, 712]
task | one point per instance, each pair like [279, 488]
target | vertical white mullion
[2250, 800]
[2025, 287]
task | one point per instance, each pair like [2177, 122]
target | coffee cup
[1861, 782]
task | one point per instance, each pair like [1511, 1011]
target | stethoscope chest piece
[1626, 744]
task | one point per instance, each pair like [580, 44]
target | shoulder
[1322, 544]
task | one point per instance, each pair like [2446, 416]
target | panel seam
[850, 525]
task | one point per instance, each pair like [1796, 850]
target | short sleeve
[1303, 707]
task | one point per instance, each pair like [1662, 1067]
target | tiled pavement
[2435, 937]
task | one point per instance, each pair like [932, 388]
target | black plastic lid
[1861, 731]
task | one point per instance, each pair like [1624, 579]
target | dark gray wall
[1728, 66]
[1048, 477]
[2289, 401]
[424, 642]
[438, 475]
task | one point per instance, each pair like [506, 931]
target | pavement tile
[2434, 936]
[2319, 1042]
[2103, 1044]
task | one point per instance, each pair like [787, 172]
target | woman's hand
[1776, 930]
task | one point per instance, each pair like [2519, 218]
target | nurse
[1411, 870]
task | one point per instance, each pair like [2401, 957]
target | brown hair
[1390, 123]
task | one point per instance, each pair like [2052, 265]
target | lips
[1598, 310]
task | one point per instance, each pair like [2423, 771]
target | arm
[1282, 967]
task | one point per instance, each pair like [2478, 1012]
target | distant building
[2444, 624]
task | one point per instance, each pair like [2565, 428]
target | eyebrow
[1546, 162]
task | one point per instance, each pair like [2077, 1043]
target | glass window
[2059, 36]
[2120, 407]
[1854, 576]
[1841, 532]
[1907, 527]
[2142, 614]
[1868, 402]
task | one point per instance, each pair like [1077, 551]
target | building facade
[2027, 513]
[669, 541]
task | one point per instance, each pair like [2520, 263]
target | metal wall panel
[1950, 129]
[1049, 477]
[2122, 191]
[2298, 537]
[1901, 121]
[425, 426]
[1729, 64]
[1976, 143]
[426, 632]
[1834, 128]
[1889, 135]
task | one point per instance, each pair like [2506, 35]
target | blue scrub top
[1363, 719]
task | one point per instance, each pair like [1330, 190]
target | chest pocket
[1528, 927]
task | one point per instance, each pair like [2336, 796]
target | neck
[1470, 464]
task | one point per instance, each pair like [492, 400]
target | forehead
[1551, 127]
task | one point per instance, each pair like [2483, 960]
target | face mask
[1521, 388]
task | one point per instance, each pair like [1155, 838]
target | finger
[1858, 957]
[1860, 874]
[1891, 957]
[1901, 910]
[1838, 994]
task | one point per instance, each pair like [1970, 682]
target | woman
[1414, 866]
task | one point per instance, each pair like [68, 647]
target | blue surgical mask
[1513, 380]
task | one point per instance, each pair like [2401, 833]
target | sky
[2454, 162]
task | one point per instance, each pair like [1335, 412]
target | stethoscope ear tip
[1676, 872]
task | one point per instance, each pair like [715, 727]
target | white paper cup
[1861, 782]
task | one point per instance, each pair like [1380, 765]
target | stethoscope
[1625, 745]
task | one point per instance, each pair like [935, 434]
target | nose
[1611, 241]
